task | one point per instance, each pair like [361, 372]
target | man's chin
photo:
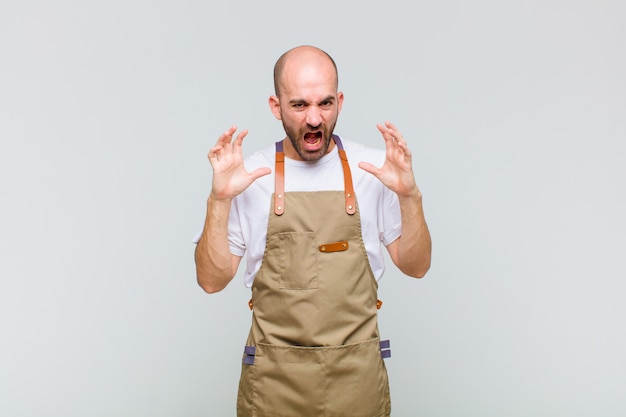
[312, 155]
[309, 150]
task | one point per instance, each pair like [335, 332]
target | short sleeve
[236, 241]
[392, 221]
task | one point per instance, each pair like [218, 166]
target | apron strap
[348, 187]
[279, 179]
[385, 349]
[248, 355]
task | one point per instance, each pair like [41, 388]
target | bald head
[299, 56]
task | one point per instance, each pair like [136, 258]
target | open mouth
[312, 140]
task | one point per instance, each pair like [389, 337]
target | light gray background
[515, 112]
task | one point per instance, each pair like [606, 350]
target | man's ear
[339, 101]
[274, 103]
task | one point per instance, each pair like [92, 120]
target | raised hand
[397, 170]
[230, 177]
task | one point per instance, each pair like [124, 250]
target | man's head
[306, 100]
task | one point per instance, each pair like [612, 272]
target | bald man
[313, 226]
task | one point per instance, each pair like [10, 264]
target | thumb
[260, 172]
[372, 169]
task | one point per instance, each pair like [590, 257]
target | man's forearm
[414, 246]
[215, 266]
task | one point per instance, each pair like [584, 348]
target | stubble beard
[297, 138]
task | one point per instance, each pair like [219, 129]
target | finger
[404, 147]
[260, 172]
[214, 152]
[239, 139]
[393, 137]
[391, 126]
[387, 136]
[227, 136]
[394, 132]
[367, 167]
[393, 142]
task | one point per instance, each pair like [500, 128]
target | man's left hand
[397, 170]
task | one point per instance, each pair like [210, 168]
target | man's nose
[313, 116]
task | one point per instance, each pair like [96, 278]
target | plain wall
[516, 115]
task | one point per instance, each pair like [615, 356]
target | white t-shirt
[378, 206]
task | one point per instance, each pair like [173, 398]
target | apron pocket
[357, 383]
[288, 382]
[336, 381]
[298, 260]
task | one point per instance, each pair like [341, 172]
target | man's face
[308, 107]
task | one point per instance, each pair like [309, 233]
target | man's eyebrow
[303, 101]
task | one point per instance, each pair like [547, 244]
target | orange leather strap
[347, 181]
[279, 183]
[334, 247]
[279, 179]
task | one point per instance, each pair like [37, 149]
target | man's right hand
[230, 177]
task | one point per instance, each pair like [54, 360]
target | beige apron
[314, 348]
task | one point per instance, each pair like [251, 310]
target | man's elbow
[210, 288]
[211, 277]
[209, 284]
[418, 271]
[421, 273]
[417, 274]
